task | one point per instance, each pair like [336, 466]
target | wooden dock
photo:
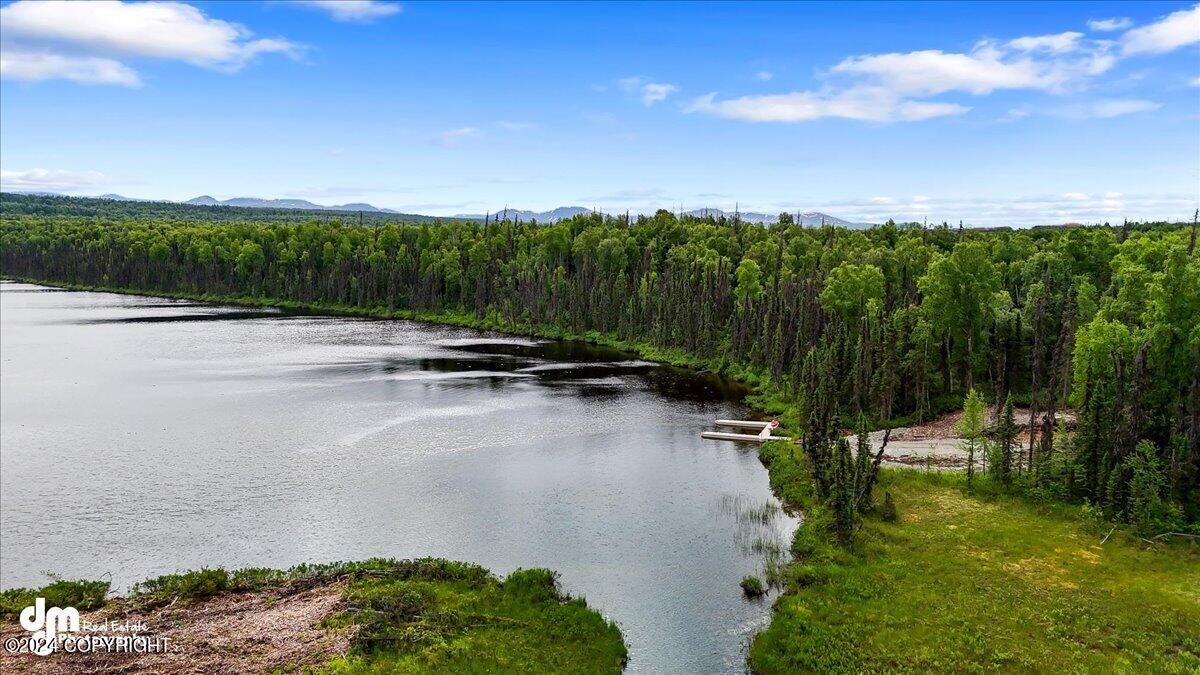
[742, 424]
[763, 435]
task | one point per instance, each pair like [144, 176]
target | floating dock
[763, 435]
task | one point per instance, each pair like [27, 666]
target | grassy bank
[974, 581]
[394, 616]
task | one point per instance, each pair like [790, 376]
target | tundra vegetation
[837, 330]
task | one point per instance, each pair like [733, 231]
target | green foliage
[889, 513]
[851, 288]
[196, 584]
[537, 584]
[1149, 512]
[753, 587]
[454, 620]
[81, 594]
[971, 427]
[1005, 447]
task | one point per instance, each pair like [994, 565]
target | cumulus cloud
[900, 86]
[361, 11]
[986, 68]
[1060, 43]
[1109, 25]
[1173, 31]
[36, 66]
[895, 87]
[86, 42]
[51, 180]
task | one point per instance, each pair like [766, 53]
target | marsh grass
[759, 535]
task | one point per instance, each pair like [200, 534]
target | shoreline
[379, 614]
[681, 361]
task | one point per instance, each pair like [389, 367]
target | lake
[143, 436]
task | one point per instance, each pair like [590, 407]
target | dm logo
[46, 624]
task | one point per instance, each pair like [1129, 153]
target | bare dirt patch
[935, 445]
[264, 631]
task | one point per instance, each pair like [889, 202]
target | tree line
[893, 324]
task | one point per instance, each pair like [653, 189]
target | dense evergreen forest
[889, 325]
[12, 204]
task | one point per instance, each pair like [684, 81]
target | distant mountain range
[256, 203]
[807, 218]
[521, 214]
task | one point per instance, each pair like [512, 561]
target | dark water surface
[140, 436]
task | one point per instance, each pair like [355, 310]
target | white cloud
[872, 104]
[653, 92]
[509, 125]
[899, 86]
[84, 41]
[1109, 25]
[1176, 30]
[35, 66]
[882, 200]
[1019, 211]
[50, 180]
[1055, 44]
[985, 69]
[764, 75]
[1195, 82]
[1116, 108]
[453, 137]
[649, 92]
[361, 11]
[1106, 109]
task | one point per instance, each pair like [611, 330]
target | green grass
[970, 583]
[476, 624]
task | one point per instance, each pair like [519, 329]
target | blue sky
[1007, 113]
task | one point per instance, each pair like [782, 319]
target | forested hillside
[887, 323]
[12, 203]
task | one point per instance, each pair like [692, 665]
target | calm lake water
[142, 436]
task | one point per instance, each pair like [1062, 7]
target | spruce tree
[1006, 437]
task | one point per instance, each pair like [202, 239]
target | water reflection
[135, 443]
